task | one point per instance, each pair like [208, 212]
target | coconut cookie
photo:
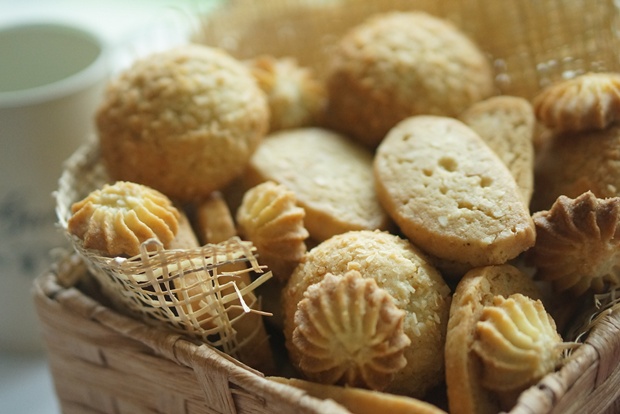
[450, 194]
[500, 340]
[330, 175]
[366, 308]
[184, 121]
[507, 125]
[399, 64]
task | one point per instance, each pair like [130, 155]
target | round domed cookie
[399, 64]
[398, 270]
[572, 163]
[184, 121]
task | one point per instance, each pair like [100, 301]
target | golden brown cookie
[577, 245]
[572, 163]
[450, 194]
[184, 121]
[477, 289]
[119, 217]
[507, 125]
[517, 342]
[362, 401]
[296, 97]
[349, 331]
[271, 220]
[214, 220]
[399, 270]
[330, 175]
[399, 64]
[585, 102]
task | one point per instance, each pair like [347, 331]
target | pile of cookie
[419, 226]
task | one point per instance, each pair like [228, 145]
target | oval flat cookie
[450, 194]
[331, 177]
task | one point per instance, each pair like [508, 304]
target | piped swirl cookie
[117, 218]
[271, 220]
[589, 101]
[349, 331]
[399, 270]
[517, 342]
[464, 369]
[450, 194]
[578, 244]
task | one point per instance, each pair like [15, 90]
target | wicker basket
[105, 361]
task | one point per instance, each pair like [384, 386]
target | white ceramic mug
[51, 79]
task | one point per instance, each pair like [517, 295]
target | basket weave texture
[105, 361]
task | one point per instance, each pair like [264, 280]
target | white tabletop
[133, 28]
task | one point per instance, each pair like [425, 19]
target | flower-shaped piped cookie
[271, 220]
[349, 331]
[295, 96]
[117, 218]
[588, 101]
[578, 243]
[518, 343]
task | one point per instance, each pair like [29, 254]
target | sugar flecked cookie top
[399, 64]
[399, 270]
[330, 175]
[184, 121]
[450, 194]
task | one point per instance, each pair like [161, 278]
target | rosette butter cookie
[588, 101]
[518, 343]
[365, 308]
[117, 218]
[578, 244]
[348, 330]
[271, 220]
[489, 337]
